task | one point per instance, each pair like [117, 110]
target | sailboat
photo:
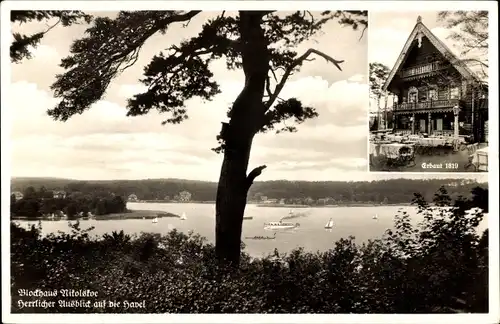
[375, 216]
[329, 225]
[155, 220]
[183, 217]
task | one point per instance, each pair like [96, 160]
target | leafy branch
[22, 44]
[99, 57]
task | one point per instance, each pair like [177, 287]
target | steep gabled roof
[420, 30]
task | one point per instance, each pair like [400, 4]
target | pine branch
[49, 28]
[110, 47]
[293, 65]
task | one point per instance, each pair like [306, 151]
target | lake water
[355, 221]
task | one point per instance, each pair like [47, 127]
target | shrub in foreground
[438, 266]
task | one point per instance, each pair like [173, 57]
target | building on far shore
[436, 93]
[185, 196]
[18, 195]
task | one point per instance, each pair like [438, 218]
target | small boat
[280, 225]
[375, 216]
[261, 237]
[155, 220]
[290, 215]
[183, 217]
[329, 225]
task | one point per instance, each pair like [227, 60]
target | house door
[412, 97]
[422, 126]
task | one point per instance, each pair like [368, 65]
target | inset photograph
[428, 91]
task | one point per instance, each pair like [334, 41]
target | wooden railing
[444, 103]
[422, 69]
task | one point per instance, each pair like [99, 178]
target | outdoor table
[432, 141]
[448, 140]
[389, 150]
[451, 139]
[395, 138]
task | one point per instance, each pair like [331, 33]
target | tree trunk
[475, 134]
[246, 118]
[230, 205]
[385, 110]
[378, 112]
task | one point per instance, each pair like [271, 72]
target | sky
[103, 143]
[389, 32]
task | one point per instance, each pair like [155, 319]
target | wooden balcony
[422, 69]
[428, 105]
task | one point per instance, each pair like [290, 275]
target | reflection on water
[311, 235]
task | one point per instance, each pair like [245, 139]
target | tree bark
[385, 110]
[246, 117]
[230, 205]
[378, 112]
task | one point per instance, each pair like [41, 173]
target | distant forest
[394, 191]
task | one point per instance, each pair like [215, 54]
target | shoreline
[150, 214]
[359, 204]
[131, 214]
[138, 214]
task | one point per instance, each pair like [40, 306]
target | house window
[433, 94]
[454, 93]
[439, 124]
